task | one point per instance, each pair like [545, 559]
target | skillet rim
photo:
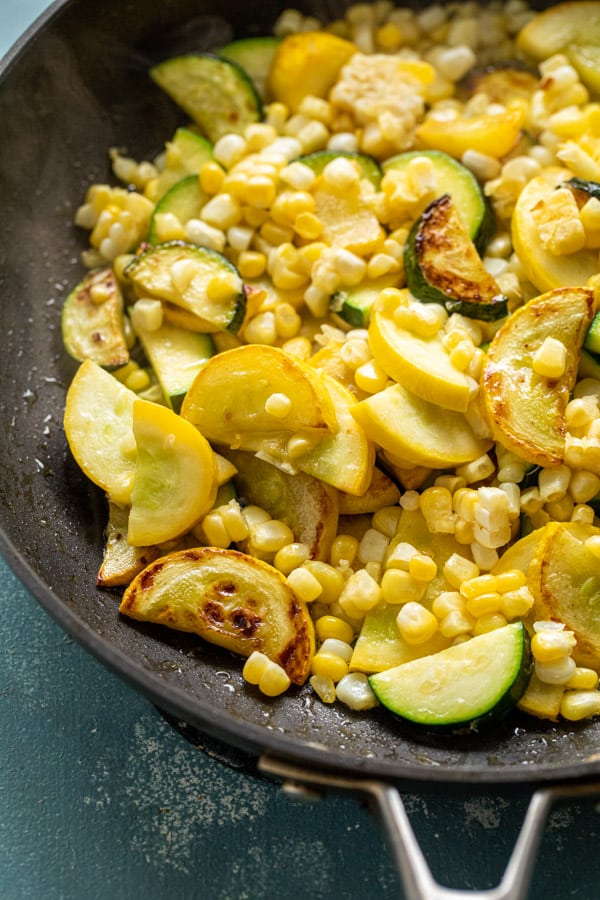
[200, 714]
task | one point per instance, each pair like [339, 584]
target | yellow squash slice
[418, 432]
[547, 270]
[175, 481]
[306, 63]
[121, 562]
[526, 411]
[98, 424]
[228, 399]
[229, 599]
[495, 135]
[572, 28]
[421, 365]
[564, 578]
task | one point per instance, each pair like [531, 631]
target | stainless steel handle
[414, 872]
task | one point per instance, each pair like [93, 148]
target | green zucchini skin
[455, 179]
[184, 200]
[369, 166]
[354, 305]
[442, 265]
[216, 93]
[592, 338]
[93, 330]
[507, 683]
[254, 55]
[591, 188]
[149, 274]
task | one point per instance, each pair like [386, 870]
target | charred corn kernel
[138, 381]
[251, 264]
[559, 671]
[343, 549]
[360, 593]
[355, 692]
[328, 626]
[415, 623]
[215, 531]
[583, 679]
[422, 567]
[291, 556]
[304, 584]
[330, 579]
[577, 705]
[147, 314]
[399, 587]
[550, 359]
[278, 405]
[458, 569]
[488, 622]
[324, 688]
[447, 602]
[329, 665]
[456, 622]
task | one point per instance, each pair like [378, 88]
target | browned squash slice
[526, 411]
[564, 578]
[121, 562]
[229, 599]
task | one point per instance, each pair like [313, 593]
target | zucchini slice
[176, 355]
[254, 55]
[354, 305]
[184, 201]
[370, 168]
[442, 265]
[455, 179]
[93, 325]
[216, 93]
[185, 274]
[592, 338]
[185, 154]
[463, 687]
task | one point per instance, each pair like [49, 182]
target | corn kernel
[278, 405]
[550, 645]
[415, 623]
[304, 584]
[489, 622]
[330, 579]
[254, 515]
[370, 377]
[255, 666]
[360, 593]
[344, 549]
[583, 679]
[271, 536]
[455, 623]
[422, 567]
[215, 531]
[559, 671]
[446, 602]
[577, 705]
[355, 692]
[458, 569]
[550, 359]
[234, 522]
[323, 687]
[329, 626]
[480, 584]
[329, 665]
[138, 381]
[147, 314]
[291, 556]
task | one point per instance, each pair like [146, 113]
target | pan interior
[78, 86]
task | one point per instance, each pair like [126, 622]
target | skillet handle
[414, 872]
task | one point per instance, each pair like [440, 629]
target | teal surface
[100, 798]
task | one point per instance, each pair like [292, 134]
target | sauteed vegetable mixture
[340, 360]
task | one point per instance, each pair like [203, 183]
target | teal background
[101, 798]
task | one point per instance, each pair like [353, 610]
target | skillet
[74, 86]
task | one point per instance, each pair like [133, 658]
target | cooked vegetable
[121, 561]
[306, 63]
[354, 305]
[570, 28]
[463, 687]
[442, 265]
[255, 56]
[228, 599]
[200, 281]
[175, 481]
[93, 325]
[525, 408]
[459, 182]
[184, 200]
[216, 93]
[176, 356]
[185, 154]
[367, 167]
[491, 134]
